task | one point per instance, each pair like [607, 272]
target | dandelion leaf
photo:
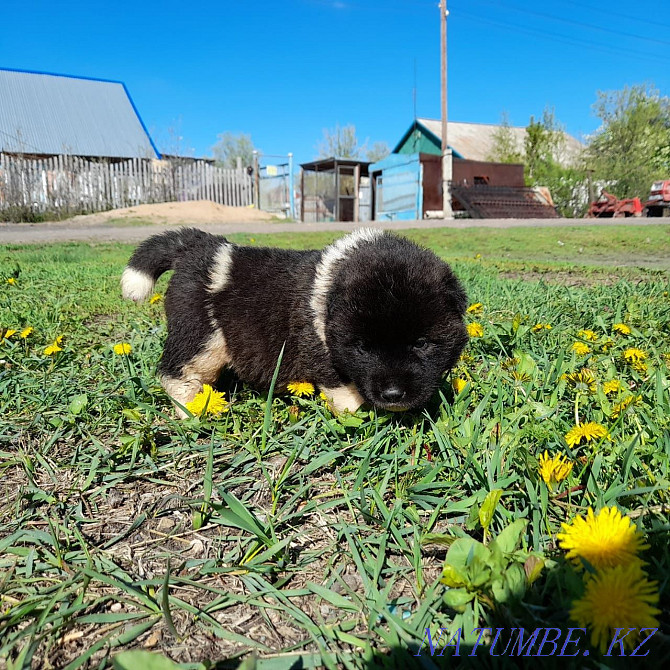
[457, 599]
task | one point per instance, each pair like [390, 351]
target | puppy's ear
[455, 295]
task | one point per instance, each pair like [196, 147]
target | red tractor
[658, 203]
[609, 206]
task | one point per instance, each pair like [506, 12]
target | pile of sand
[194, 212]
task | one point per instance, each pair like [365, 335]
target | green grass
[303, 537]
[616, 245]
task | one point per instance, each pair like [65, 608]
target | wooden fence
[66, 185]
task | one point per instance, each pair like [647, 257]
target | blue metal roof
[43, 113]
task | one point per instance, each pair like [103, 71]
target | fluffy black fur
[393, 314]
[395, 321]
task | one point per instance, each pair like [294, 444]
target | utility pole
[446, 151]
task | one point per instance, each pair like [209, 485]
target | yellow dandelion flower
[585, 431]
[589, 335]
[323, 396]
[555, 469]
[156, 297]
[605, 540]
[8, 333]
[26, 332]
[54, 347]
[122, 349]
[634, 355]
[509, 363]
[612, 386]
[300, 389]
[11, 281]
[619, 597]
[635, 358]
[583, 381]
[621, 328]
[459, 384]
[622, 406]
[593, 431]
[475, 329]
[581, 349]
[475, 308]
[521, 376]
[477, 256]
[539, 327]
[208, 401]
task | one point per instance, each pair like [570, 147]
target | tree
[505, 146]
[541, 151]
[230, 147]
[340, 142]
[378, 151]
[543, 142]
[631, 149]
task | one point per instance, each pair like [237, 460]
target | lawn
[315, 540]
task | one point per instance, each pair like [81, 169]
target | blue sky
[283, 71]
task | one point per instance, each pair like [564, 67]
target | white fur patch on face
[204, 368]
[219, 275]
[325, 272]
[344, 398]
[136, 285]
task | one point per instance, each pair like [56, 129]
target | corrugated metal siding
[399, 191]
[53, 114]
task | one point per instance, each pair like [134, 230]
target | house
[407, 184]
[472, 141]
[43, 114]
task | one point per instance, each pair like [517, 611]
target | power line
[579, 24]
[563, 38]
[647, 22]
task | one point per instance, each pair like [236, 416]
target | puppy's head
[394, 321]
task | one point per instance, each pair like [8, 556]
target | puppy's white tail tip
[136, 285]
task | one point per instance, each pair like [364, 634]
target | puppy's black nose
[392, 394]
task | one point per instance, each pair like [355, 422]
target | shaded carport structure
[330, 190]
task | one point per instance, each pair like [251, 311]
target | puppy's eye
[421, 343]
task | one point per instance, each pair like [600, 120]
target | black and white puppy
[371, 318]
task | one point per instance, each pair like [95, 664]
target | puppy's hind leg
[183, 375]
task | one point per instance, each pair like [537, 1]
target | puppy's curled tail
[155, 256]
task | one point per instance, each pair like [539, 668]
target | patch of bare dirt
[136, 524]
[197, 212]
[566, 278]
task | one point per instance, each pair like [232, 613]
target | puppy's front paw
[343, 398]
[181, 391]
